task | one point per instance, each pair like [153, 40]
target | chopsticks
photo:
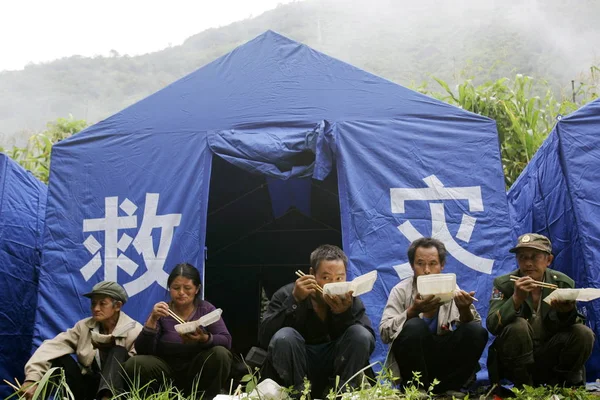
[177, 318]
[301, 274]
[17, 387]
[514, 278]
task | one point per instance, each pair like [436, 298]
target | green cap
[533, 241]
[111, 289]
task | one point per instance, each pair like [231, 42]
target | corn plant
[525, 112]
[35, 156]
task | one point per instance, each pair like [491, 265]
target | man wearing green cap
[536, 342]
[101, 343]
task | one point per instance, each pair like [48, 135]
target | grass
[53, 384]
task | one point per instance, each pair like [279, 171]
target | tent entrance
[259, 231]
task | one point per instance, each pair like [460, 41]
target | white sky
[45, 30]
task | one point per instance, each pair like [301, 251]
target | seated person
[97, 371]
[427, 336]
[200, 360]
[308, 334]
[536, 342]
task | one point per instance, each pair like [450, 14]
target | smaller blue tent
[556, 195]
[22, 209]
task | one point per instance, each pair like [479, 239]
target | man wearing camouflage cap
[536, 342]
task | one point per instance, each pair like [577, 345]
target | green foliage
[525, 112]
[552, 393]
[35, 156]
[53, 383]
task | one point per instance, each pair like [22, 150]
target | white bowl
[205, 320]
[439, 285]
[336, 288]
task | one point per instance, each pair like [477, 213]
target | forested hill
[404, 41]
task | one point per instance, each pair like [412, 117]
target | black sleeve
[283, 311]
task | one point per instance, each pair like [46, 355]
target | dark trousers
[92, 385]
[451, 358]
[558, 360]
[208, 372]
[293, 359]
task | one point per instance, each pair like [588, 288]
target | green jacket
[502, 311]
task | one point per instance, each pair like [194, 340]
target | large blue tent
[22, 209]
[252, 161]
[556, 195]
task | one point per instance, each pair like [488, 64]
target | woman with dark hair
[200, 360]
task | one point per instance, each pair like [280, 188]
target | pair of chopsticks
[177, 318]
[301, 274]
[17, 387]
[473, 297]
[514, 278]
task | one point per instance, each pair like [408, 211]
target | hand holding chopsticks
[305, 286]
[515, 278]
[160, 310]
[301, 274]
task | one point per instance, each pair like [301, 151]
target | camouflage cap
[110, 289]
[533, 241]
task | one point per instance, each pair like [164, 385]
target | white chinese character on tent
[436, 190]
[115, 246]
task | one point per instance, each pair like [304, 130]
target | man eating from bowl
[427, 336]
[308, 334]
[536, 342]
[97, 373]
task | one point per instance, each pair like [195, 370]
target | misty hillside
[404, 41]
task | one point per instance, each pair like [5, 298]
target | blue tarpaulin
[557, 195]
[22, 209]
[128, 196]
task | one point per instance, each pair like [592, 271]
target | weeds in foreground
[384, 387]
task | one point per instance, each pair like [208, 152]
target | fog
[408, 42]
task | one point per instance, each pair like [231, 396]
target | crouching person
[195, 362]
[97, 373]
[315, 336]
[536, 342]
[442, 341]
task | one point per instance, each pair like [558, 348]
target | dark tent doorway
[259, 231]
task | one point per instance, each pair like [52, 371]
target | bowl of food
[205, 320]
[336, 288]
[439, 285]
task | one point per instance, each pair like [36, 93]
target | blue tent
[261, 156]
[556, 196]
[22, 209]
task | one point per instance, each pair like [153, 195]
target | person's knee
[358, 334]
[414, 327]
[519, 326]
[137, 365]
[583, 338]
[475, 333]
[359, 338]
[517, 331]
[286, 340]
[219, 355]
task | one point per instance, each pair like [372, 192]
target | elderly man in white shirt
[442, 341]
